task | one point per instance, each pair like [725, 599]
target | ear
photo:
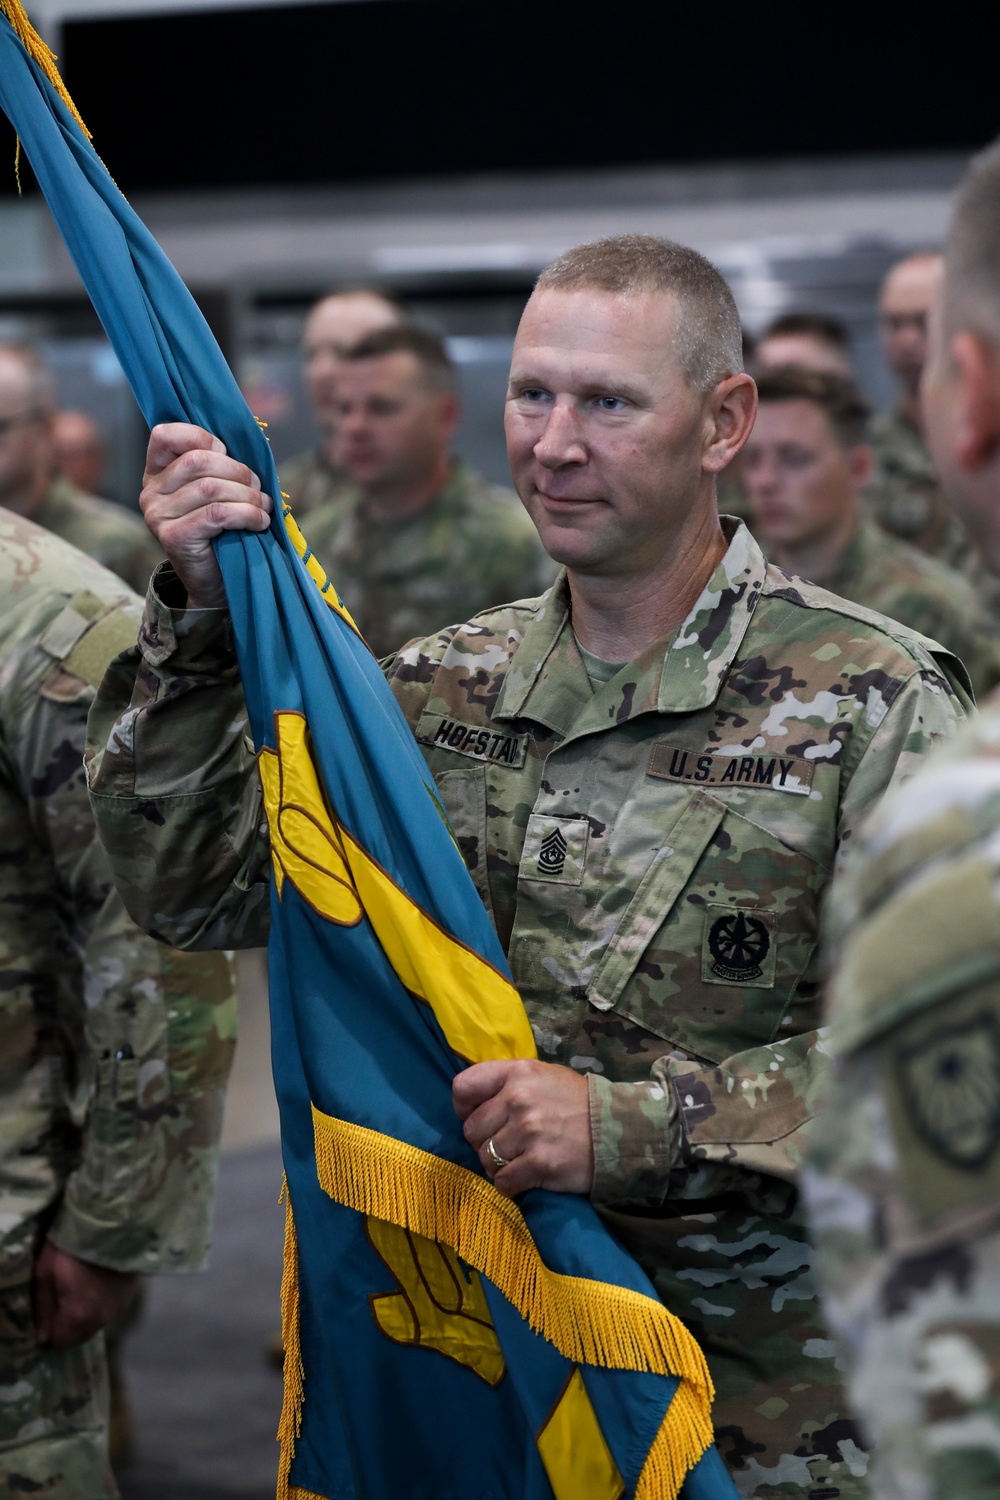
[730, 412]
[977, 408]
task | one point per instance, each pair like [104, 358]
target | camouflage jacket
[473, 546]
[904, 494]
[108, 533]
[308, 482]
[905, 1192]
[115, 1050]
[653, 854]
[902, 582]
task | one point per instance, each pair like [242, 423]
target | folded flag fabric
[442, 1342]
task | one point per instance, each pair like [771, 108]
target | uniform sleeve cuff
[636, 1135]
[199, 641]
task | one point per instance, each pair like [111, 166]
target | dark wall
[396, 88]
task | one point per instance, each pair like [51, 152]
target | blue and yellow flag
[442, 1342]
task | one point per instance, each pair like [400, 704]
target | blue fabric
[380, 1419]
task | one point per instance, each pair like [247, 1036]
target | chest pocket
[719, 933]
[463, 796]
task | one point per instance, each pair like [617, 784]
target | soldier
[115, 1050]
[805, 466]
[677, 739]
[79, 449]
[422, 540]
[811, 341]
[906, 1189]
[904, 495]
[333, 326]
[31, 485]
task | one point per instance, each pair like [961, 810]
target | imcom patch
[950, 1083]
[739, 946]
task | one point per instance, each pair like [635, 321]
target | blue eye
[534, 393]
[610, 403]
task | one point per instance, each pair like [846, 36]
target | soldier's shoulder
[489, 639]
[494, 506]
[828, 617]
[917, 909]
[906, 566]
[105, 517]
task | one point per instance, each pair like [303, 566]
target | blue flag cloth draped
[441, 1341]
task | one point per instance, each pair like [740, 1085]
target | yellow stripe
[572, 1447]
[478, 1009]
[589, 1322]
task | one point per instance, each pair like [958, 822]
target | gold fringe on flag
[290, 1423]
[40, 53]
[589, 1322]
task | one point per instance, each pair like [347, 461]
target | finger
[473, 1086]
[169, 439]
[486, 1121]
[194, 468]
[505, 1149]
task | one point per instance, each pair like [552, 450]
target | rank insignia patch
[739, 946]
[950, 1082]
[552, 856]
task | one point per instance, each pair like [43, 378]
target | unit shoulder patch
[950, 1082]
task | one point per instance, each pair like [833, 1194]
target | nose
[561, 441]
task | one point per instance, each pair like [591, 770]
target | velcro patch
[555, 849]
[739, 946]
[776, 773]
[474, 740]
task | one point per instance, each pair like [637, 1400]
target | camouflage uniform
[107, 532]
[114, 1052]
[472, 546]
[653, 852]
[905, 1192]
[904, 495]
[309, 482]
[899, 581]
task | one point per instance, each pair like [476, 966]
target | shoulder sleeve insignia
[950, 1084]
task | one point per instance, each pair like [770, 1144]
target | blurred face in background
[804, 351]
[78, 448]
[25, 438]
[393, 426]
[802, 481]
[907, 296]
[335, 325]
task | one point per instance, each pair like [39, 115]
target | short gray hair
[709, 340]
[972, 252]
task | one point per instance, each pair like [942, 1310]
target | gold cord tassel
[290, 1424]
[40, 53]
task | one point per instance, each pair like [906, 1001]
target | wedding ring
[495, 1159]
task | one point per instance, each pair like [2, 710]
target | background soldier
[115, 1050]
[422, 540]
[805, 466]
[810, 341]
[332, 327]
[79, 450]
[905, 496]
[906, 1188]
[31, 485]
[679, 737]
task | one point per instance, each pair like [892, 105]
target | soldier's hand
[191, 492]
[74, 1298]
[537, 1117]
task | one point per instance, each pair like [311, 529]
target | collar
[547, 680]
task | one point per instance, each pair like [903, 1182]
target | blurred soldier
[31, 485]
[905, 1179]
[332, 327]
[811, 341]
[904, 495]
[422, 541]
[79, 449]
[649, 771]
[805, 466]
[115, 1050]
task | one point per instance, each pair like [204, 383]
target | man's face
[803, 350]
[392, 428]
[801, 481]
[908, 294]
[333, 326]
[605, 435]
[25, 434]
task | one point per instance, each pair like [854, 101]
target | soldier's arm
[750, 1112]
[174, 783]
[152, 1032]
[904, 1195]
